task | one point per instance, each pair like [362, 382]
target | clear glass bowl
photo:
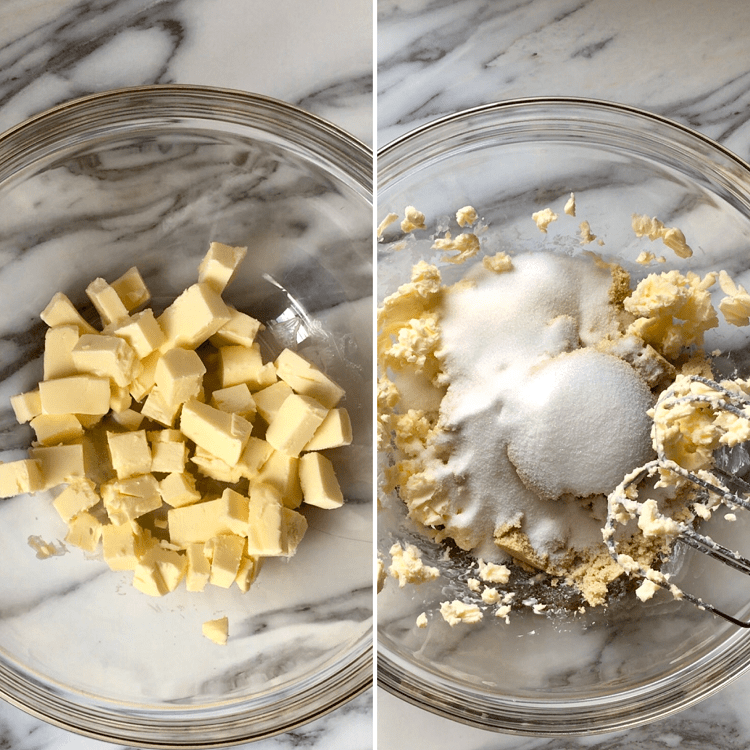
[632, 663]
[148, 177]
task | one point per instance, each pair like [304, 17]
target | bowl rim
[564, 720]
[135, 724]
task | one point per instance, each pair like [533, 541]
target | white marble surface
[315, 55]
[684, 59]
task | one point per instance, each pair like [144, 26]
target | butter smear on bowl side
[174, 450]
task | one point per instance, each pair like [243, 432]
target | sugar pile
[534, 418]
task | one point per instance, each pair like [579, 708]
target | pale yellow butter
[123, 545]
[77, 394]
[318, 480]
[179, 375]
[84, 531]
[264, 523]
[236, 399]
[53, 429]
[58, 351]
[225, 552]
[241, 329]
[128, 499]
[58, 464]
[198, 313]
[78, 496]
[217, 630]
[168, 457]
[26, 406]
[222, 434]
[198, 567]
[334, 431]
[227, 514]
[141, 331]
[19, 477]
[106, 356]
[281, 472]
[130, 453]
[306, 379]
[295, 424]
[178, 489]
[60, 312]
[131, 289]
[268, 400]
[219, 265]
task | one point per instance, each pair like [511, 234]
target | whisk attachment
[689, 415]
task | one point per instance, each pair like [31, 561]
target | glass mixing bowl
[607, 669]
[147, 177]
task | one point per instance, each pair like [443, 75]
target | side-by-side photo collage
[375, 375]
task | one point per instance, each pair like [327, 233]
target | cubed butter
[217, 630]
[239, 364]
[227, 514]
[84, 531]
[293, 528]
[106, 356]
[78, 496]
[219, 265]
[158, 408]
[256, 453]
[198, 313]
[61, 311]
[268, 400]
[306, 379]
[159, 571]
[77, 394]
[124, 545]
[248, 572]
[239, 329]
[178, 489]
[168, 457]
[281, 472]
[106, 301]
[221, 434]
[54, 429]
[236, 399]
[58, 351]
[141, 331]
[334, 431]
[130, 453]
[59, 464]
[264, 522]
[19, 477]
[318, 480]
[179, 375]
[211, 466]
[295, 424]
[198, 568]
[225, 552]
[26, 406]
[128, 499]
[131, 289]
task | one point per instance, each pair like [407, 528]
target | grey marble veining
[685, 60]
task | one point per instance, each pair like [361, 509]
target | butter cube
[334, 431]
[198, 569]
[268, 400]
[128, 499]
[157, 407]
[141, 331]
[213, 467]
[59, 342]
[255, 455]
[217, 630]
[178, 489]
[131, 289]
[221, 434]
[239, 364]
[78, 496]
[128, 418]
[318, 480]
[106, 301]
[59, 464]
[281, 472]
[106, 356]
[130, 453]
[19, 477]
[239, 329]
[179, 375]
[198, 313]
[236, 399]
[168, 457]
[264, 522]
[306, 379]
[295, 424]
[219, 265]
[248, 572]
[26, 406]
[167, 435]
[227, 514]
[53, 429]
[293, 527]
[84, 531]
[77, 394]
[159, 571]
[124, 545]
[143, 381]
[225, 552]
[119, 398]
[60, 312]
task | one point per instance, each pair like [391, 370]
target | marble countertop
[317, 56]
[683, 59]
